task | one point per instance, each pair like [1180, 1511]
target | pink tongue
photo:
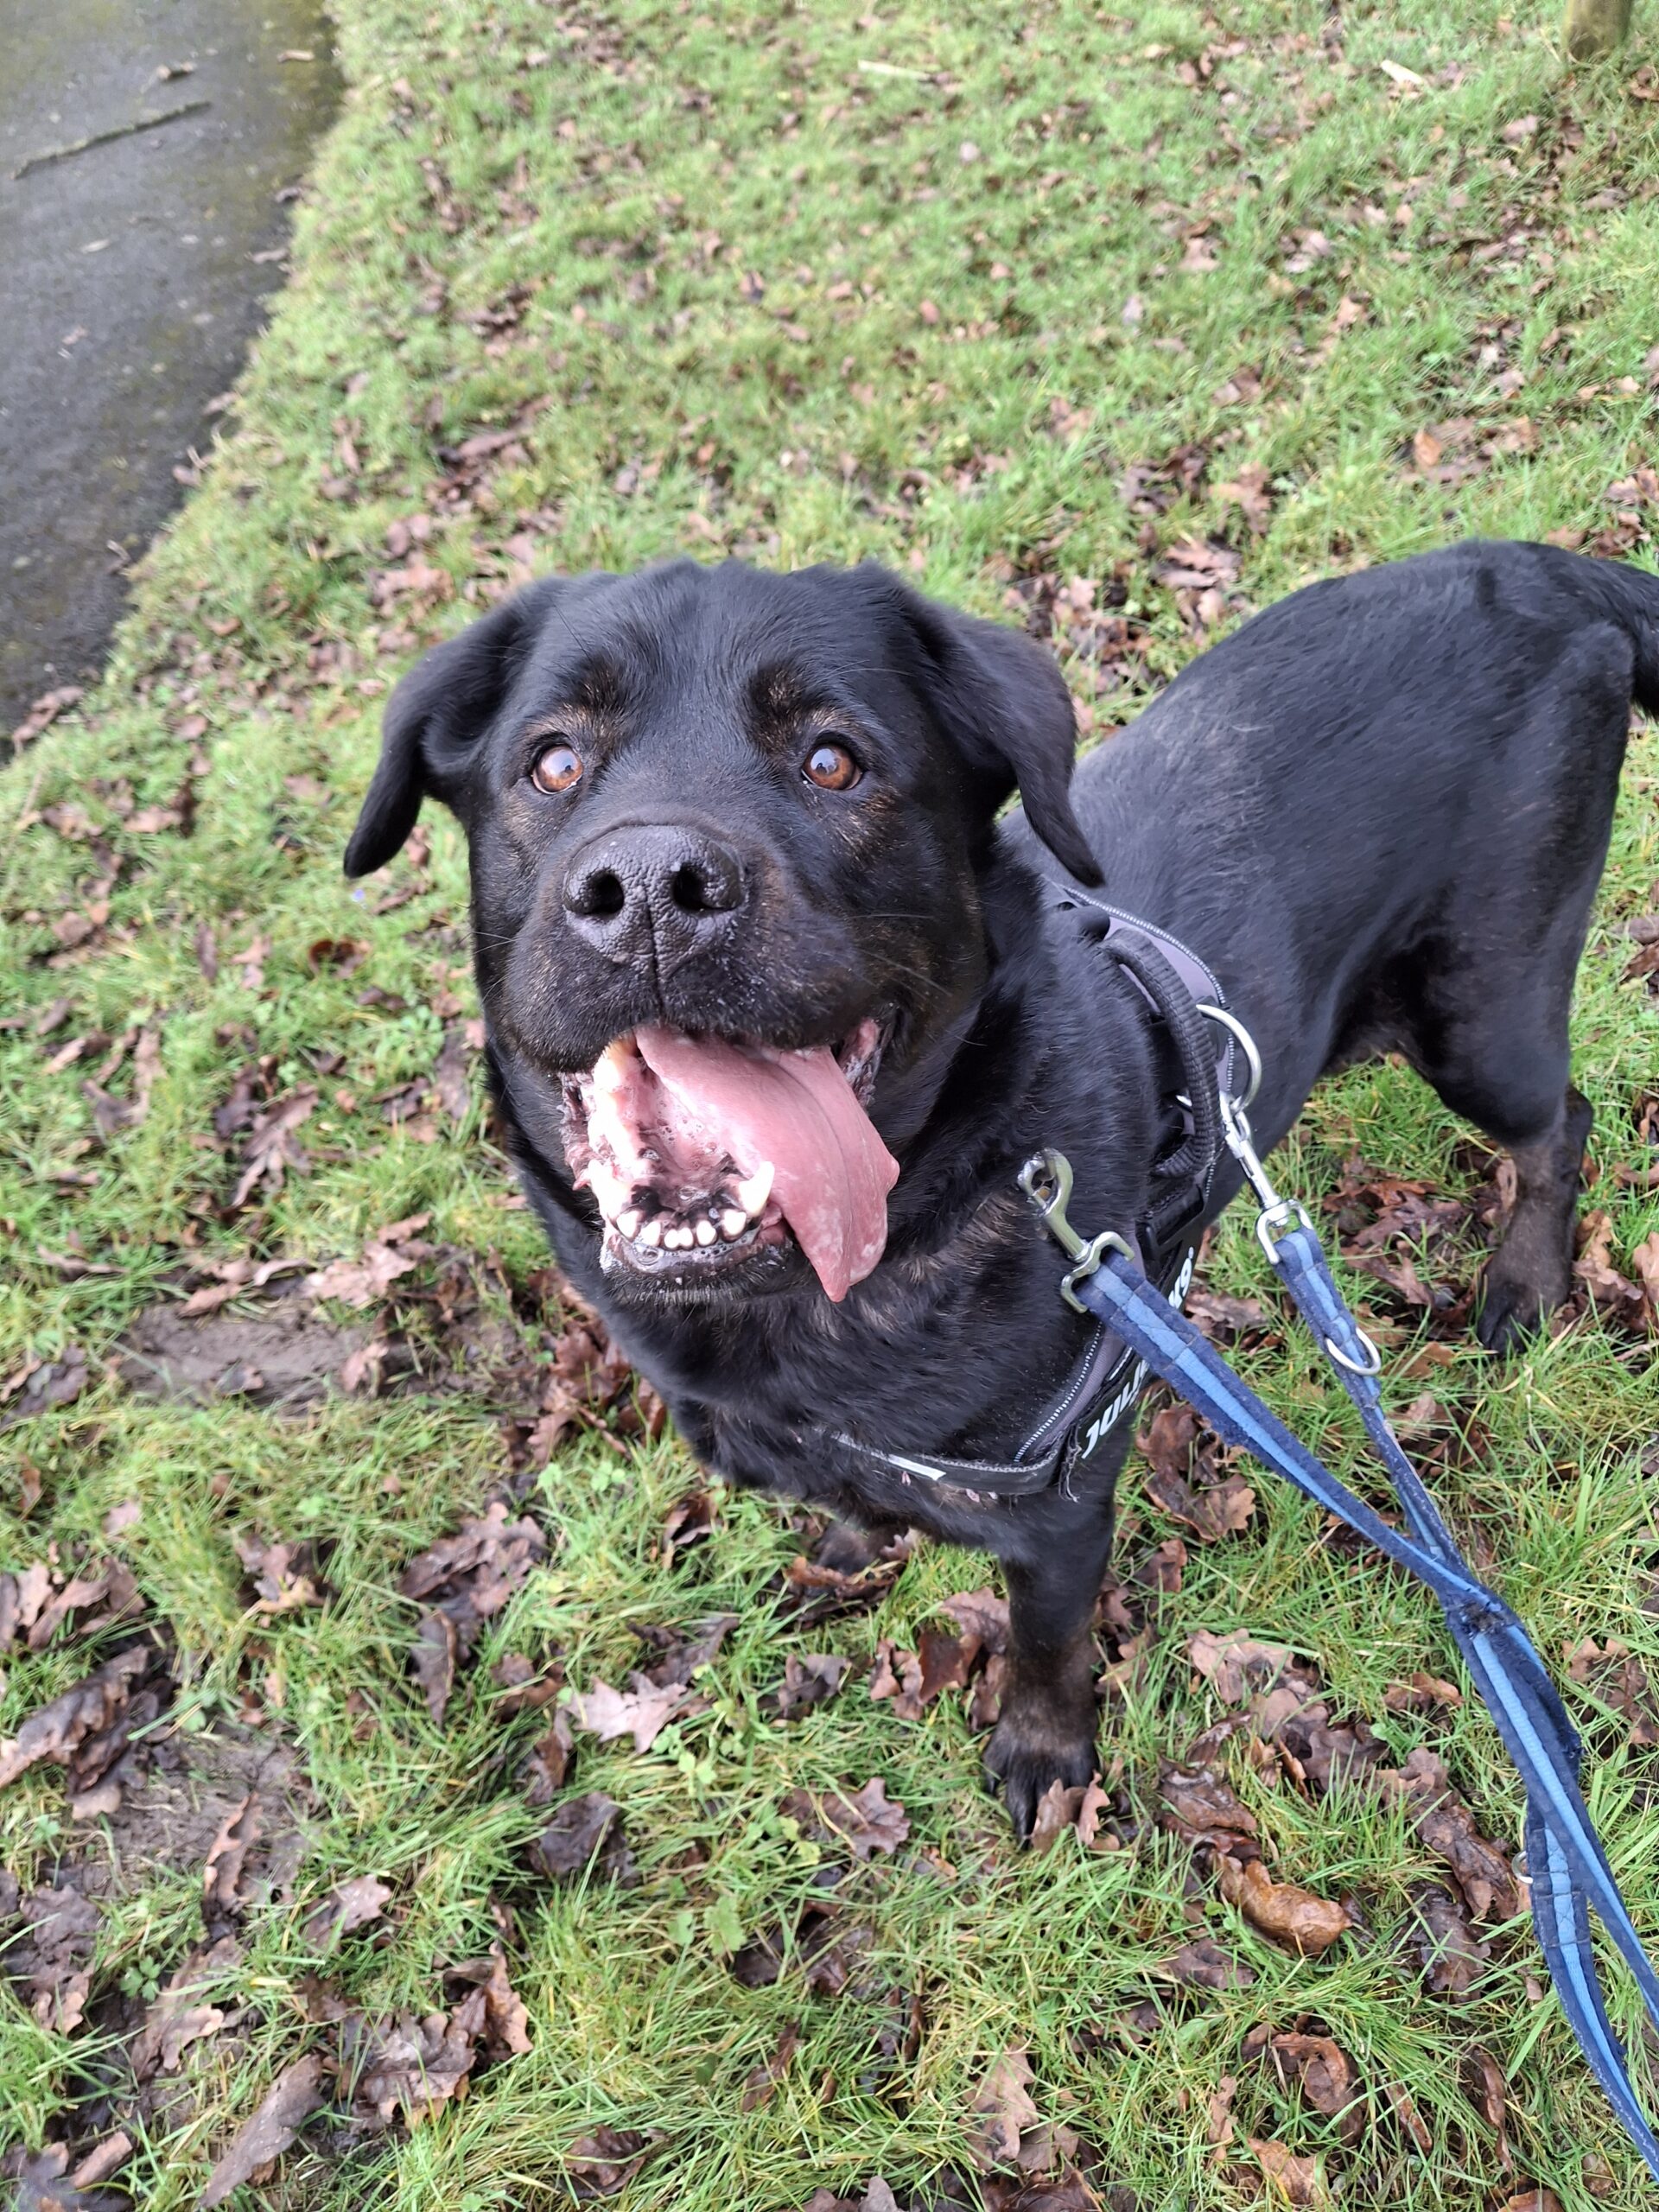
[832, 1172]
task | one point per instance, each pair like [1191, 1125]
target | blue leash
[1568, 1867]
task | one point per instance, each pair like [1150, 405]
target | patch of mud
[170, 1821]
[287, 1356]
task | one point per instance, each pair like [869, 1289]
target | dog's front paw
[1511, 1305]
[1030, 1752]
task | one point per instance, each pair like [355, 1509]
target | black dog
[777, 1007]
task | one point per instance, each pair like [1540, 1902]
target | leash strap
[1568, 1867]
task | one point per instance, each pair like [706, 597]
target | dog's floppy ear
[1005, 706]
[434, 719]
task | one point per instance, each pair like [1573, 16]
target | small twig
[103, 137]
[896, 69]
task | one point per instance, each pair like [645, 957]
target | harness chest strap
[1101, 1392]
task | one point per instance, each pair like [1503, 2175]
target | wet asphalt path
[131, 279]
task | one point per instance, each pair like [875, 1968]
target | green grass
[773, 303]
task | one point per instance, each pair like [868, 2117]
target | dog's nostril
[688, 889]
[602, 894]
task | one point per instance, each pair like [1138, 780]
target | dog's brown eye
[557, 769]
[831, 767]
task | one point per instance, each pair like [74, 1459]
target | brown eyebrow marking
[600, 687]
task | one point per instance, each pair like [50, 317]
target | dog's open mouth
[704, 1151]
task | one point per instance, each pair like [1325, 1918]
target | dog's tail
[1630, 597]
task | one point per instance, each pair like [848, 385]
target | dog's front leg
[1047, 1733]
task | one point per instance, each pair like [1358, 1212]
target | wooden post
[1594, 28]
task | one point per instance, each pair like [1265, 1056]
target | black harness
[1196, 1044]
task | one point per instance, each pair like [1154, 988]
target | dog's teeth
[628, 1222]
[652, 1233]
[733, 1222]
[753, 1194]
[677, 1239]
[706, 1232]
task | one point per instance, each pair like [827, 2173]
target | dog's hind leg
[1487, 996]
[1531, 1272]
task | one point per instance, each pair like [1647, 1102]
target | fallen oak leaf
[53, 1957]
[1202, 1809]
[1447, 1827]
[867, 1822]
[981, 1614]
[1004, 2102]
[1453, 1958]
[1290, 1915]
[603, 2163]
[389, 1253]
[297, 2093]
[1058, 1809]
[1292, 2179]
[179, 2015]
[574, 1836]
[433, 1660]
[57, 1731]
[809, 1680]
[898, 1675]
[1320, 2070]
[642, 1712]
[227, 1855]
[410, 2065]
[506, 2018]
[1202, 1964]
[1489, 2093]
[348, 1905]
[761, 2083]
[272, 1148]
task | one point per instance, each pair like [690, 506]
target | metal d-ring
[1372, 1363]
[1241, 1037]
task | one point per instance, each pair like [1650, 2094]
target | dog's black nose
[654, 893]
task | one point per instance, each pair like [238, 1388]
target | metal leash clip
[1045, 1179]
[1279, 1215]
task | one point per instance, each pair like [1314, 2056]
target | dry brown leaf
[221, 1877]
[761, 2083]
[1411, 2121]
[1290, 2179]
[642, 1712]
[347, 1906]
[77, 1719]
[866, 1821]
[389, 1253]
[605, 2162]
[506, 2018]
[1203, 1964]
[179, 2015]
[1489, 2094]
[1004, 2102]
[1058, 1809]
[1321, 2069]
[574, 1836]
[1454, 1960]
[809, 1680]
[295, 2094]
[272, 1147]
[1447, 1827]
[981, 1614]
[1291, 1915]
[1201, 1808]
[53, 1956]
[433, 1660]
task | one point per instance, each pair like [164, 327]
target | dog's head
[726, 830]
